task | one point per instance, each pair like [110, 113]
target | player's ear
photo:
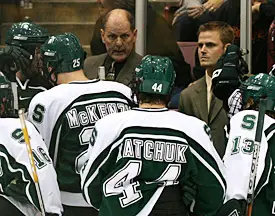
[225, 46]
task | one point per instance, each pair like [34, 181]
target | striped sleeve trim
[21, 169]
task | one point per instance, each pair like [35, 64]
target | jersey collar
[84, 82]
[151, 110]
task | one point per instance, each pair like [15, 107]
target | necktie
[111, 74]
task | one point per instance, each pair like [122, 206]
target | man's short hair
[226, 31]
[129, 16]
[153, 98]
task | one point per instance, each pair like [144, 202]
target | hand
[212, 5]
[229, 70]
[13, 59]
[195, 12]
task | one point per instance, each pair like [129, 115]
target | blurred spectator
[193, 13]
[198, 100]
[160, 39]
[169, 12]
[119, 37]
[263, 13]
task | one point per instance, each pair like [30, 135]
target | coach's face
[118, 37]
[210, 48]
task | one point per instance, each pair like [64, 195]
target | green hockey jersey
[65, 116]
[134, 155]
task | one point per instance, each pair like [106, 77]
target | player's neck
[64, 78]
[152, 106]
[21, 76]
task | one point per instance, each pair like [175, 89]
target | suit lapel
[126, 74]
[216, 106]
[200, 99]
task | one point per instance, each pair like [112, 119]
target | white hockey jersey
[65, 116]
[135, 154]
[16, 180]
[239, 152]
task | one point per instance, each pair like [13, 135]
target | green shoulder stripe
[16, 180]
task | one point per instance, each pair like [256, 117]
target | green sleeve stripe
[15, 167]
[265, 176]
[218, 176]
[269, 130]
[94, 169]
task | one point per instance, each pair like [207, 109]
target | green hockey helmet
[257, 87]
[27, 35]
[155, 75]
[6, 98]
[63, 53]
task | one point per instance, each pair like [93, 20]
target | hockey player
[65, 115]
[239, 152]
[18, 195]
[23, 40]
[140, 159]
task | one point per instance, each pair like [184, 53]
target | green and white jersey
[65, 116]
[135, 154]
[16, 180]
[238, 160]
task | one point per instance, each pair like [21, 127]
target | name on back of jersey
[153, 150]
[92, 113]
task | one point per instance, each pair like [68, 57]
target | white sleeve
[46, 173]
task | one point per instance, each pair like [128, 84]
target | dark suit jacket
[125, 75]
[193, 101]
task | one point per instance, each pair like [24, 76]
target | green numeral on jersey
[40, 156]
[247, 148]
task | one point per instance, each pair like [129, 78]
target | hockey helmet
[257, 87]
[27, 35]
[63, 53]
[155, 75]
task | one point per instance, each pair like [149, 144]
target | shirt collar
[208, 80]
